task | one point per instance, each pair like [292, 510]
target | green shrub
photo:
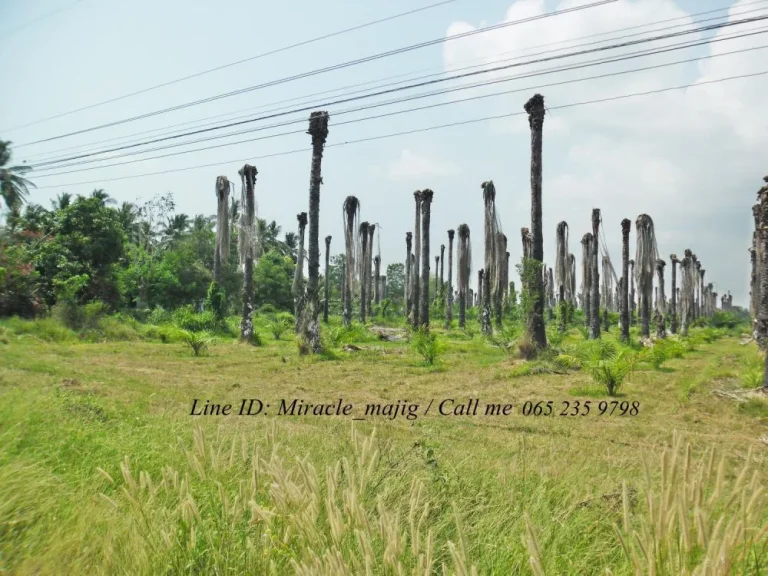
[427, 345]
[187, 319]
[279, 324]
[198, 342]
[159, 316]
[607, 364]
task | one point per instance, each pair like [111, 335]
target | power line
[323, 70]
[408, 110]
[229, 65]
[418, 130]
[424, 83]
[382, 82]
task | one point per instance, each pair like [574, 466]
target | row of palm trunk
[544, 289]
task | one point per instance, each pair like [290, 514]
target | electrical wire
[417, 130]
[93, 146]
[323, 70]
[231, 64]
[420, 84]
[397, 112]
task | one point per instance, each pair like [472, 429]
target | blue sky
[685, 158]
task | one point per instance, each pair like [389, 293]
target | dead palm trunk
[645, 257]
[351, 214]
[626, 224]
[449, 294]
[407, 289]
[298, 275]
[426, 202]
[761, 332]
[369, 273]
[536, 330]
[754, 299]
[221, 252]
[696, 267]
[673, 301]
[586, 277]
[417, 254]
[437, 269]
[500, 253]
[327, 278]
[442, 271]
[686, 293]
[702, 294]
[508, 292]
[594, 327]
[661, 301]
[363, 231]
[246, 245]
[377, 275]
[491, 228]
[479, 295]
[632, 306]
[318, 129]
[562, 262]
[463, 270]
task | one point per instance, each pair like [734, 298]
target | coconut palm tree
[327, 278]
[351, 216]
[673, 300]
[463, 271]
[297, 289]
[318, 130]
[624, 286]
[246, 245]
[646, 256]
[586, 280]
[14, 188]
[61, 201]
[594, 328]
[426, 203]
[363, 231]
[449, 295]
[221, 251]
[535, 109]
[417, 257]
[407, 288]
[491, 265]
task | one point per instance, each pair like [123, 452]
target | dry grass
[102, 470]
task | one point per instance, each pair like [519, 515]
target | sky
[691, 158]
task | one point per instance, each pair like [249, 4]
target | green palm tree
[14, 188]
[62, 201]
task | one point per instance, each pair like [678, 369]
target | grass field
[104, 471]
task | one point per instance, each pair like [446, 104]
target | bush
[216, 300]
[159, 316]
[606, 364]
[187, 319]
[198, 341]
[279, 324]
[427, 345]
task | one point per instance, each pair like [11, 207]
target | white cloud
[410, 165]
[686, 156]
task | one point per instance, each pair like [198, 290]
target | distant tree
[396, 282]
[272, 279]
[14, 188]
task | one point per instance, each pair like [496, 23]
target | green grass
[103, 470]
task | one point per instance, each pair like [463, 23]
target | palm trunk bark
[298, 275]
[632, 305]
[449, 295]
[594, 328]
[407, 288]
[318, 129]
[363, 270]
[478, 295]
[370, 264]
[377, 276]
[761, 332]
[439, 293]
[536, 330]
[673, 300]
[626, 224]
[426, 202]
[490, 273]
[248, 176]
[327, 278]
[661, 308]
[418, 256]
[437, 270]
[586, 272]
[221, 251]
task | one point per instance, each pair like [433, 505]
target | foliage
[215, 300]
[396, 282]
[506, 338]
[198, 341]
[186, 318]
[427, 345]
[279, 324]
[272, 279]
[607, 364]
